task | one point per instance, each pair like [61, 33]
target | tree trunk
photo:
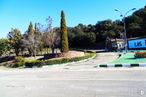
[53, 50]
[47, 51]
[34, 52]
[16, 52]
[22, 51]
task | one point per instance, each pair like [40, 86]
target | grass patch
[129, 58]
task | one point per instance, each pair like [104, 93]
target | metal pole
[124, 24]
[125, 36]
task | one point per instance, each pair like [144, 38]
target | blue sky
[19, 13]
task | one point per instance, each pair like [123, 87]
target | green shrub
[39, 63]
[36, 63]
[19, 62]
[140, 55]
[29, 64]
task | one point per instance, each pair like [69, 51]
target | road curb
[122, 65]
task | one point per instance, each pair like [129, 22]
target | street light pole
[124, 24]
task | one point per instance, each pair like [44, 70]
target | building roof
[135, 38]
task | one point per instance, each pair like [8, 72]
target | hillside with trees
[41, 39]
[86, 36]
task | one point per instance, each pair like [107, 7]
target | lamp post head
[116, 10]
[134, 9]
[121, 15]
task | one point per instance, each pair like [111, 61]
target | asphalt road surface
[73, 83]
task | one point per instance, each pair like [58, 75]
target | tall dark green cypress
[30, 29]
[64, 34]
[30, 38]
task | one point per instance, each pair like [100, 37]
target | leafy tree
[4, 46]
[84, 40]
[15, 39]
[29, 37]
[64, 34]
[90, 39]
[33, 39]
[136, 23]
[38, 41]
[51, 37]
[78, 40]
[104, 27]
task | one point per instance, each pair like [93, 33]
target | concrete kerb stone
[126, 65]
[121, 65]
[142, 64]
[111, 65]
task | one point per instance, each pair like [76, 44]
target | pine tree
[30, 29]
[30, 39]
[15, 38]
[64, 34]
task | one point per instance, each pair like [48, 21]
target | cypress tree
[30, 39]
[64, 34]
[30, 29]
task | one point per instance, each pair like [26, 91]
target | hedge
[140, 55]
[39, 63]
[18, 62]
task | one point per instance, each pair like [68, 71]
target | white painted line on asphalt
[71, 79]
[142, 92]
[37, 70]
